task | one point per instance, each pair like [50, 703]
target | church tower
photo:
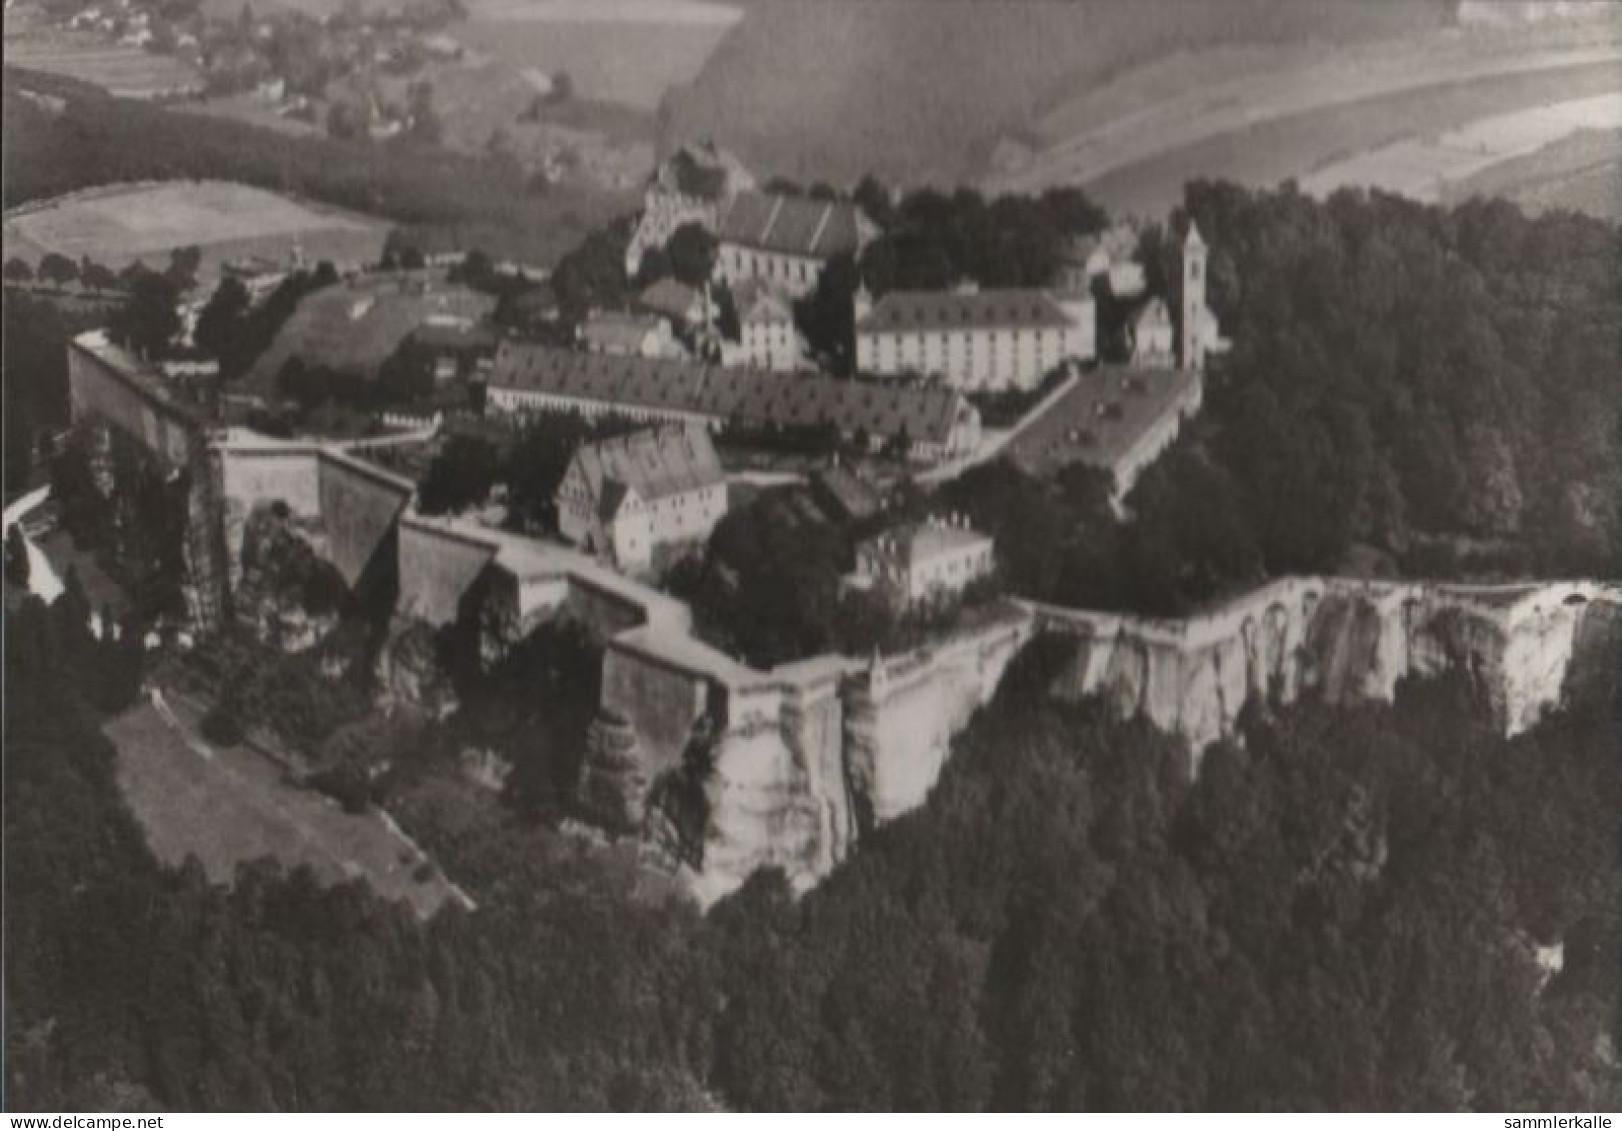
[1192, 355]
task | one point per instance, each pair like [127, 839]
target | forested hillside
[905, 88]
[1343, 913]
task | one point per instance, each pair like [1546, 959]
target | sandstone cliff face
[283, 590]
[1338, 640]
[795, 764]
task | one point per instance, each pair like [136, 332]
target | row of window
[760, 265]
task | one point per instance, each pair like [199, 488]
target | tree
[183, 265]
[460, 476]
[346, 120]
[149, 319]
[219, 324]
[58, 270]
[16, 557]
[17, 270]
[97, 276]
[425, 124]
[692, 250]
[874, 200]
[825, 315]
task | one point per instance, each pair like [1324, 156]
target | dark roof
[655, 463]
[742, 395]
[690, 178]
[852, 495]
[901, 311]
[794, 225]
[667, 296]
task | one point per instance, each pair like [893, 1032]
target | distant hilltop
[908, 90]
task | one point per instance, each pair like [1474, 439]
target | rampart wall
[118, 388]
[121, 393]
[360, 505]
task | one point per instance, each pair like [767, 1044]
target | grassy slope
[1582, 172]
[920, 89]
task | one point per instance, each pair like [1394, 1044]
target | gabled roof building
[931, 560]
[974, 339]
[930, 424]
[767, 338]
[786, 241]
[626, 497]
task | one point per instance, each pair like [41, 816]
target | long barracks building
[933, 423]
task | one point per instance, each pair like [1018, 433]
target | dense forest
[1342, 912]
[1412, 390]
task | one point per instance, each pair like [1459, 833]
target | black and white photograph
[810, 556]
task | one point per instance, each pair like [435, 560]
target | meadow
[120, 69]
[227, 806]
[629, 53]
[120, 224]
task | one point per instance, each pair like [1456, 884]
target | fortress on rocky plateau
[729, 768]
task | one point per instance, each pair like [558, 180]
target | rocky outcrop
[409, 672]
[736, 770]
[1340, 640]
[284, 591]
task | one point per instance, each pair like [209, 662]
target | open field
[1286, 110]
[626, 51]
[1582, 172]
[120, 224]
[229, 806]
[1423, 168]
[121, 69]
[1291, 147]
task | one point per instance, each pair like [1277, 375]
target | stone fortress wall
[345, 506]
[790, 767]
[118, 394]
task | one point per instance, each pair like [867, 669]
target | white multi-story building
[626, 497]
[973, 339]
[767, 338]
[931, 560]
[786, 241]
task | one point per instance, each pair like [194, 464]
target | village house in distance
[625, 498]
